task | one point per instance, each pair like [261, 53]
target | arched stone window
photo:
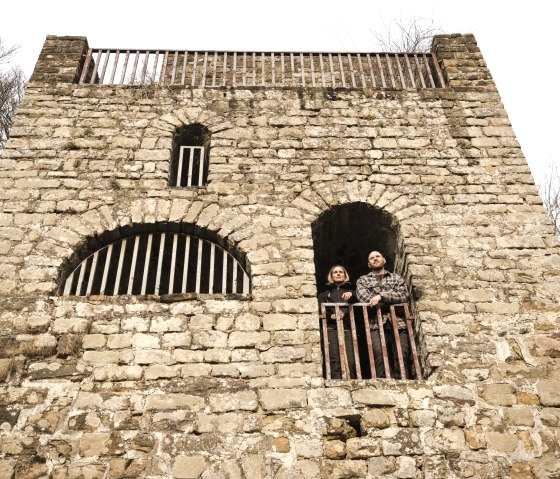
[346, 234]
[156, 259]
[190, 156]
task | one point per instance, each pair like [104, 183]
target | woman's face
[338, 275]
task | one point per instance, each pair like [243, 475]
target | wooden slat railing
[212, 69]
[393, 359]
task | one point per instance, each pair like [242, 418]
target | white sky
[516, 39]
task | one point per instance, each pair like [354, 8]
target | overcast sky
[516, 39]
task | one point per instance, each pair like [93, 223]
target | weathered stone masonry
[131, 386]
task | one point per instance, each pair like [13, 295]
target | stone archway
[346, 233]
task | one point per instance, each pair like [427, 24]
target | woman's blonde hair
[330, 278]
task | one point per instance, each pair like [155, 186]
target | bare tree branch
[6, 52]
[12, 86]
[413, 35]
[549, 189]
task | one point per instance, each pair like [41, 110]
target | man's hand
[346, 296]
[375, 300]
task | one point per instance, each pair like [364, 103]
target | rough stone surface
[230, 386]
[549, 392]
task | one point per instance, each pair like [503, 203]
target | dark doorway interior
[346, 234]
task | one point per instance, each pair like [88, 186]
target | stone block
[497, 308]
[307, 447]
[380, 466]
[376, 419]
[257, 370]
[94, 341]
[101, 444]
[499, 394]
[7, 468]
[117, 373]
[520, 242]
[252, 465]
[160, 371]
[125, 468]
[176, 340]
[148, 341]
[282, 445]
[101, 357]
[307, 468]
[188, 356]
[189, 467]
[455, 393]
[549, 392]
[503, 442]
[149, 356]
[444, 441]
[210, 339]
[475, 438]
[226, 423]
[363, 447]
[87, 400]
[344, 469]
[547, 346]
[217, 356]
[119, 341]
[453, 416]
[195, 370]
[275, 322]
[374, 397]
[225, 370]
[329, 398]
[247, 322]
[550, 417]
[519, 416]
[248, 339]
[401, 441]
[161, 325]
[6, 365]
[242, 400]
[174, 401]
[26, 468]
[279, 399]
[134, 323]
[335, 449]
[303, 305]
[245, 355]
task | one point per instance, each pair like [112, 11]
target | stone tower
[121, 358]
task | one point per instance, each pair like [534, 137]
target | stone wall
[114, 387]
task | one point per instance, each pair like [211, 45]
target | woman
[339, 290]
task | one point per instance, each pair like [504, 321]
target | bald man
[383, 288]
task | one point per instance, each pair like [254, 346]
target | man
[380, 287]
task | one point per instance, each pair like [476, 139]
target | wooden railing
[212, 69]
[362, 322]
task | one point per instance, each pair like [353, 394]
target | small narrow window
[190, 156]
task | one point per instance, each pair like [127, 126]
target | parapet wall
[114, 387]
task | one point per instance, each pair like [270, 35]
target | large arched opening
[345, 235]
[155, 259]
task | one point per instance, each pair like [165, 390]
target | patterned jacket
[390, 286]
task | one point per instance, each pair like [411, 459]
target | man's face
[376, 261]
